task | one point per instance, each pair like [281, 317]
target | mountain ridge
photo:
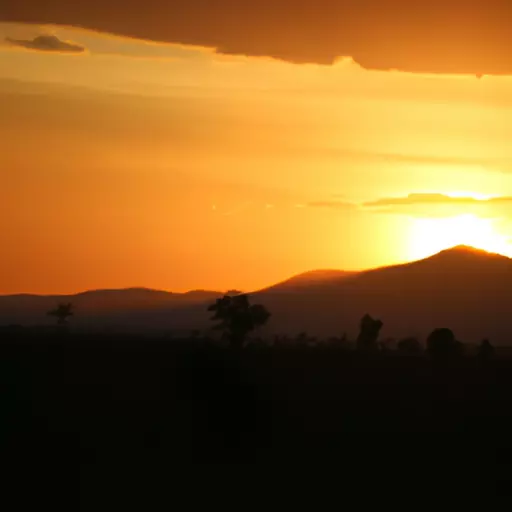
[461, 287]
[466, 289]
[316, 275]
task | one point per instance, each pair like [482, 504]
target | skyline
[305, 278]
[131, 163]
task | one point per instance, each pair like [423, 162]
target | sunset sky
[129, 162]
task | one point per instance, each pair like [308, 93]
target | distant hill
[462, 288]
[296, 283]
[467, 290]
[98, 304]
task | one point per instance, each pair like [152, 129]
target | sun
[429, 236]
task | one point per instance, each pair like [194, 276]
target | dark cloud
[47, 43]
[439, 36]
[434, 199]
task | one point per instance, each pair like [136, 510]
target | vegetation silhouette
[139, 401]
[369, 333]
[485, 350]
[442, 344]
[411, 346]
[304, 340]
[62, 312]
[236, 317]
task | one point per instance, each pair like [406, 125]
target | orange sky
[140, 164]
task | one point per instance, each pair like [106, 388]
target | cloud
[434, 204]
[47, 43]
[421, 204]
[413, 199]
[435, 36]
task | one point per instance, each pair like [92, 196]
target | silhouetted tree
[441, 344]
[369, 332]
[62, 312]
[409, 346]
[237, 318]
[485, 350]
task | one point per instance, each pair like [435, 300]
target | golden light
[432, 235]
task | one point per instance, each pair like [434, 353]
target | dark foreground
[89, 416]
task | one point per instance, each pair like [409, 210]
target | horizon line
[460, 247]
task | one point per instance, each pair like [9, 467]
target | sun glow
[430, 236]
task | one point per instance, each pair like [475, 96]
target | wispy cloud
[436, 204]
[430, 198]
[421, 204]
[47, 43]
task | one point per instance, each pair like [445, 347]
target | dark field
[110, 411]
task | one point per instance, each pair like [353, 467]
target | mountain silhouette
[465, 289]
[296, 283]
[93, 304]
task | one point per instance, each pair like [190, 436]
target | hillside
[118, 306]
[462, 288]
[306, 279]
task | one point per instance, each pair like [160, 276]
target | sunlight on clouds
[474, 195]
[238, 145]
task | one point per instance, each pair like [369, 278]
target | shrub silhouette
[236, 317]
[301, 339]
[441, 344]
[485, 350]
[386, 346]
[369, 332]
[304, 340]
[62, 312]
[409, 346]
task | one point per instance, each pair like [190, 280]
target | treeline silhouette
[236, 318]
[122, 405]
